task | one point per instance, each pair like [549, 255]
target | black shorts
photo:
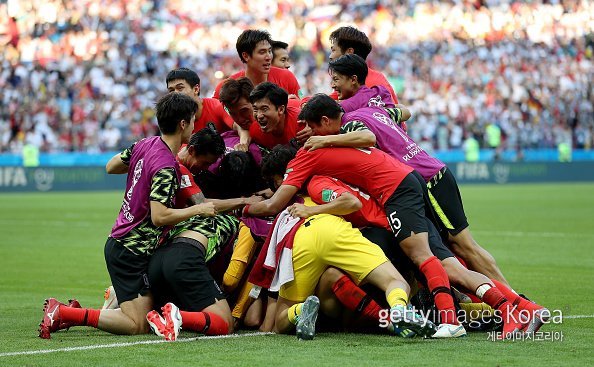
[447, 201]
[177, 273]
[386, 241]
[405, 209]
[128, 271]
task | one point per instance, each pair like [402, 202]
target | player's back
[391, 139]
[369, 169]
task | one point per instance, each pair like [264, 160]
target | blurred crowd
[83, 75]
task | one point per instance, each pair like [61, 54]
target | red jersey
[187, 188]
[369, 169]
[281, 77]
[374, 78]
[213, 111]
[324, 189]
[291, 128]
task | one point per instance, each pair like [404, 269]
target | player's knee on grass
[254, 315]
[136, 310]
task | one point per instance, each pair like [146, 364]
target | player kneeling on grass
[334, 196]
[148, 206]
[179, 276]
[324, 241]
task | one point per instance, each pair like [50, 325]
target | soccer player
[276, 117]
[255, 50]
[280, 55]
[148, 206]
[184, 80]
[179, 276]
[335, 196]
[387, 180]
[369, 127]
[349, 40]
[327, 240]
[348, 74]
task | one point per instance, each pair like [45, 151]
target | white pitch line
[118, 345]
[579, 317]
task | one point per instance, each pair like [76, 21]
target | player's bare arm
[275, 204]
[164, 216]
[116, 166]
[355, 139]
[344, 204]
[244, 138]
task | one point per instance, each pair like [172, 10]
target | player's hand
[304, 133]
[315, 142]
[266, 193]
[241, 147]
[299, 211]
[253, 199]
[206, 209]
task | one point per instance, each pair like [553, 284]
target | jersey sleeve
[187, 187]
[323, 189]
[224, 116]
[164, 186]
[300, 168]
[354, 125]
[127, 154]
[217, 90]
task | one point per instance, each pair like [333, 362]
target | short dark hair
[233, 90]
[171, 109]
[277, 95]
[207, 141]
[349, 65]
[350, 37]
[248, 39]
[320, 105]
[240, 175]
[186, 74]
[278, 45]
[276, 161]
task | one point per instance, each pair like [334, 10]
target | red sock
[511, 317]
[207, 323]
[355, 299]
[439, 286]
[79, 316]
[515, 299]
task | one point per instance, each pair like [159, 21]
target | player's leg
[299, 315]
[405, 210]
[297, 307]
[446, 201]
[476, 257]
[202, 304]
[345, 248]
[269, 315]
[128, 276]
[336, 290]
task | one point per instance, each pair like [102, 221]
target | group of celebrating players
[259, 208]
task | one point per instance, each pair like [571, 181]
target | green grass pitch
[541, 235]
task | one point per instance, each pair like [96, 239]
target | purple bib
[148, 157]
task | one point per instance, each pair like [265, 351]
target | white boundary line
[579, 317]
[118, 345]
[184, 340]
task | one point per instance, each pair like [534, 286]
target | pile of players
[262, 209]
